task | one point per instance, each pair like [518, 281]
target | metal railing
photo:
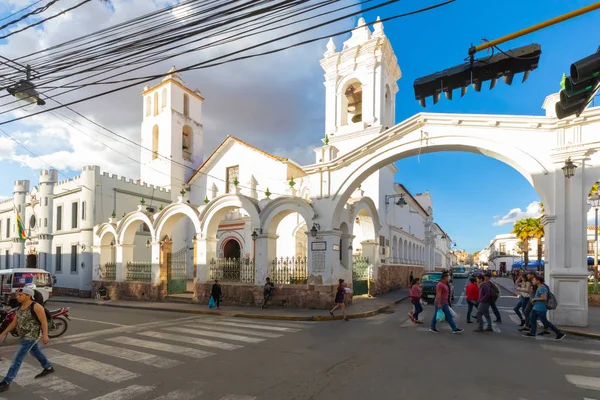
[139, 271]
[232, 270]
[289, 270]
[108, 271]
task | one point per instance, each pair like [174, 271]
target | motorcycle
[56, 327]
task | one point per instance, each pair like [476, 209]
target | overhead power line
[21, 10]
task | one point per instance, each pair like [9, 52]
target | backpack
[551, 301]
[35, 317]
[495, 291]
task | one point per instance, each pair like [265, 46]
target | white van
[13, 279]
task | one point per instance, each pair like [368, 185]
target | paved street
[112, 353]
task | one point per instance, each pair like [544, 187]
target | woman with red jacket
[472, 297]
[415, 299]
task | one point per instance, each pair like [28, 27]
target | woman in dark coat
[215, 292]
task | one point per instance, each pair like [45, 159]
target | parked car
[428, 283]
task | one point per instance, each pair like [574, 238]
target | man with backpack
[540, 308]
[495, 297]
[486, 294]
[31, 323]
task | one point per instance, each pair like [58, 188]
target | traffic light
[580, 87]
[502, 65]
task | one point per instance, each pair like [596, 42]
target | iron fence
[289, 270]
[232, 270]
[108, 272]
[360, 268]
[139, 271]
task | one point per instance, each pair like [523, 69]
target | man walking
[32, 325]
[523, 287]
[486, 294]
[215, 292]
[442, 292]
[540, 309]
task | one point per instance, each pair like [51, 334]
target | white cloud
[274, 102]
[515, 214]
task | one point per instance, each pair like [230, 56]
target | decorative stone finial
[361, 22]
[563, 81]
[378, 27]
[330, 47]
[325, 140]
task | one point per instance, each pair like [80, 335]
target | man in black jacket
[215, 292]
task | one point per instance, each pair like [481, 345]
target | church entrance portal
[31, 261]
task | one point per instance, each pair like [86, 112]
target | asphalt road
[120, 354]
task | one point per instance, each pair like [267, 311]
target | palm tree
[538, 233]
[594, 189]
[542, 209]
[524, 229]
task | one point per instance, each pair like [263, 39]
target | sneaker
[458, 330]
[46, 371]
[524, 329]
[528, 335]
[489, 329]
[434, 330]
[560, 336]
[544, 333]
[469, 322]
[4, 386]
[498, 321]
[419, 322]
[522, 323]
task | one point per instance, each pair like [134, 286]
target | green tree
[538, 233]
[524, 229]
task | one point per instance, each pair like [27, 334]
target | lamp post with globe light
[594, 201]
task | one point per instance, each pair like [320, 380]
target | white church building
[243, 214]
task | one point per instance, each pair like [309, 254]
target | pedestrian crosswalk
[118, 364]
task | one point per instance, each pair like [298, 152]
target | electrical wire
[34, 12]
[20, 11]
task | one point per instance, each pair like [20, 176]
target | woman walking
[339, 299]
[415, 299]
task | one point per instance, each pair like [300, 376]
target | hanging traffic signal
[502, 65]
[579, 88]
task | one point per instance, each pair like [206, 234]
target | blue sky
[468, 190]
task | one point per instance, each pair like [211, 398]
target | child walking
[415, 299]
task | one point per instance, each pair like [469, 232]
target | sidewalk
[591, 331]
[362, 307]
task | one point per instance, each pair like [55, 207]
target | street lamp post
[594, 201]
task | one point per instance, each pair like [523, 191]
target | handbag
[211, 302]
[440, 316]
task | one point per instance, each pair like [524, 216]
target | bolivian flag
[20, 228]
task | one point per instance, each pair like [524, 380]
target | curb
[319, 318]
[581, 333]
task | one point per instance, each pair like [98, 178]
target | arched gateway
[230, 196]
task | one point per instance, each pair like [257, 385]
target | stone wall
[132, 290]
[289, 296]
[63, 291]
[394, 277]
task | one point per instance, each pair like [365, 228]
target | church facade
[243, 214]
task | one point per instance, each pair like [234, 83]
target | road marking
[287, 324]
[26, 377]
[577, 363]
[255, 326]
[96, 369]
[226, 329]
[570, 350]
[514, 319]
[237, 397]
[126, 354]
[181, 394]
[217, 335]
[169, 348]
[191, 340]
[126, 393]
[461, 299]
[584, 382]
[96, 322]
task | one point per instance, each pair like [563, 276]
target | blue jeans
[541, 315]
[446, 309]
[26, 346]
[521, 304]
[418, 308]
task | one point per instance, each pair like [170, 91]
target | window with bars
[233, 174]
[74, 258]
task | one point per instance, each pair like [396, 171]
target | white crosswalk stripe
[218, 335]
[126, 354]
[576, 363]
[181, 394]
[50, 383]
[168, 348]
[584, 382]
[93, 368]
[256, 326]
[190, 340]
[237, 397]
[127, 393]
[228, 329]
